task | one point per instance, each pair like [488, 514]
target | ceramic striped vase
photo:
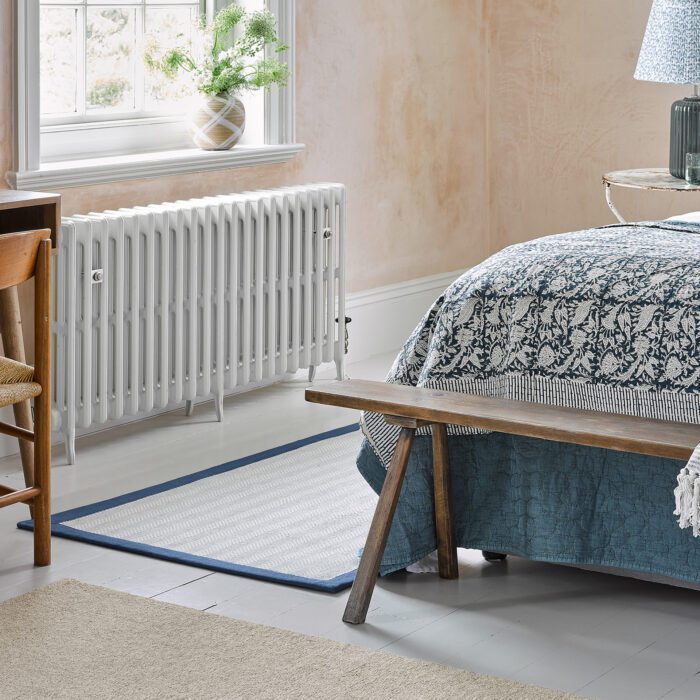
[218, 122]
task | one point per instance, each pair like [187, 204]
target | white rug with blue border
[296, 514]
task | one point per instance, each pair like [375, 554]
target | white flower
[558, 283]
[578, 338]
[227, 53]
[546, 355]
[609, 363]
[203, 77]
[674, 367]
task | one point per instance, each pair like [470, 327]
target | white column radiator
[156, 306]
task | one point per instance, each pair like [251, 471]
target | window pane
[58, 58]
[168, 27]
[110, 53]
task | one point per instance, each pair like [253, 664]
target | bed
[605, 319]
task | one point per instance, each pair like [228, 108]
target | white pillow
[693, 216]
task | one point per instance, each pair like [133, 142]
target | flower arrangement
[226, 57]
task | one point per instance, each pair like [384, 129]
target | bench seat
[647, 436]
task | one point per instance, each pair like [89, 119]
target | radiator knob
[347, 335]
[97, 276]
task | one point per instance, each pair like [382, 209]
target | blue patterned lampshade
[670, 51]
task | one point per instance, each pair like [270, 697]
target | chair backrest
[18, 254]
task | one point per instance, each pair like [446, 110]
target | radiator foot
[219, 405]
[312, 373]
[189, 408]
[340, 369]
[70, 446]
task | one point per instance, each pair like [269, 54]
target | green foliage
[217, 70]
[268, 72]
[261, 29]
[169, 63]
[227, 19]
[107, 92]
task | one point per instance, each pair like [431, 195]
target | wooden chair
[23, 256]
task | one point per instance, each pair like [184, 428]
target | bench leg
[368, 570]
[444, 524]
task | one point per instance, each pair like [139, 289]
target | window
[89, 58]
[92, 72]
[84, 94]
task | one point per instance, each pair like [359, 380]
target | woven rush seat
[16, 382]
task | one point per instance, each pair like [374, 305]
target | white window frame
[124, 162]
[66, 137]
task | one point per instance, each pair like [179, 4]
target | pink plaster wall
[564, 109]
[391, 102]
[458, 126]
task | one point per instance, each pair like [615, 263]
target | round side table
[643, 179]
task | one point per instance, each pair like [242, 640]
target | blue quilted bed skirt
[546, 501]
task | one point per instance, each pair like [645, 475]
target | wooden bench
[412, 408]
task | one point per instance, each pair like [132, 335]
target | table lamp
[670, 53]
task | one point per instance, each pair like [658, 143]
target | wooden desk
[23, 211]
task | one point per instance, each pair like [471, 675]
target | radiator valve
[347, 337]
[97, 276]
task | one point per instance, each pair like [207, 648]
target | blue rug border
[58, 529]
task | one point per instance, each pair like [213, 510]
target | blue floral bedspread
[604, 319]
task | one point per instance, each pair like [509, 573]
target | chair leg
[42, 511]
[42, 479]
[368, 570]
[444, 524]
[42, 407]
[13, 345]
[23, 419]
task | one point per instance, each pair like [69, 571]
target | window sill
[144, 165]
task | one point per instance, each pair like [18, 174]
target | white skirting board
[382, 319]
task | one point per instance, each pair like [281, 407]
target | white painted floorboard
[602, 636]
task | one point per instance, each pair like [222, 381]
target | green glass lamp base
[685, 133]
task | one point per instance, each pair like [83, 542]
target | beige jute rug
[72, 640]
